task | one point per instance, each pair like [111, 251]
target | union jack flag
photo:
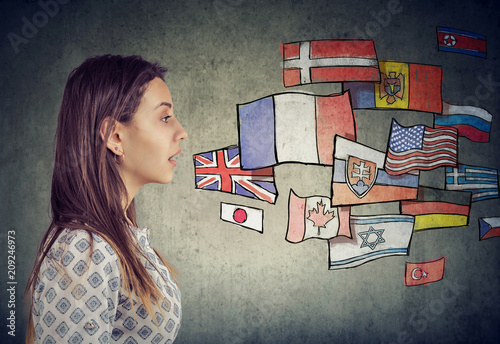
[220, 170]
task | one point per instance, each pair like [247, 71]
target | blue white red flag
[359, 177]
[471, 122]
[482, 182]
[420, 148]
[489, 227]
[462, 42]
[220, 170]
[293, 127]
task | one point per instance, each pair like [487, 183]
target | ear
[113, 142]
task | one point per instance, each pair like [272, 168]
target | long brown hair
[87, 190]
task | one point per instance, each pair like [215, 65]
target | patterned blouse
[85, 301]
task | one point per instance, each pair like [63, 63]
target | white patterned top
[86, 302]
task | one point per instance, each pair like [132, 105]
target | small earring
[119, 161]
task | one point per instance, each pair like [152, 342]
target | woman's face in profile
[151, 141]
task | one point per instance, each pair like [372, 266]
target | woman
[96, 277]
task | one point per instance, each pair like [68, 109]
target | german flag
[436, 208]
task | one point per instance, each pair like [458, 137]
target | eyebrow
[163, 104]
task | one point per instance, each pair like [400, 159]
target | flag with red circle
[248, 217]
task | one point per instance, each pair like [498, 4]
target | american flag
[220, 170]
[420, 148]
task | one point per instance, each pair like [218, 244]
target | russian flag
[471, 122]
[293, 127]
[462, 42]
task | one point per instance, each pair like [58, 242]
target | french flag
[293, 127]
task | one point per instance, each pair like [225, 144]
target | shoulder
[79, 249]
[80, 241]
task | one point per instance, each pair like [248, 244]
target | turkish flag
[424, 272]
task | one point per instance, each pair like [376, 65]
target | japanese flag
[243, 216]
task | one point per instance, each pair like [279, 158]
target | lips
[173, 162]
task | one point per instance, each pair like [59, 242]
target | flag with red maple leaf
[319, 217]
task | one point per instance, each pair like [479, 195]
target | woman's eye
[165, 119]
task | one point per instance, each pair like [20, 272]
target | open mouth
[171, 159]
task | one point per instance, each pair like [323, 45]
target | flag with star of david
[220, 170]
[373, 237]
[420, 148]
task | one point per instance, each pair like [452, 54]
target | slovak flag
[220, 170]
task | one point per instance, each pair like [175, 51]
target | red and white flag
[331, 60]
[314, 217]
[424, 272]
[248, 217]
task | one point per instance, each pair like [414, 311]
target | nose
[181, 133]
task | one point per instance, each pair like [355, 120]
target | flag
[313, 217]
[220, 170]
[372, 237]
[359, 177]
[489, 227]
[293, 127]
[462, 42]
[243, 216]
[471, 122]
[482, 182]
[424, 272]
[402, 86]
[331, 60]
[435, 208]
[420, 148]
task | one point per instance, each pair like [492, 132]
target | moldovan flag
[359, 176]
[372, 237]
[420, 148]
[425, 272]
[482, 182]
[462, 42]
[489, 227]
[331, 60]
[437, 208]
[248, 217]
[402, 86]
[471, 122]
[293, 127]
[313, 217]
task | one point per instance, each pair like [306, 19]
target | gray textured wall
[240, 286]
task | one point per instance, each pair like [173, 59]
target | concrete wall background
[240, 286]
